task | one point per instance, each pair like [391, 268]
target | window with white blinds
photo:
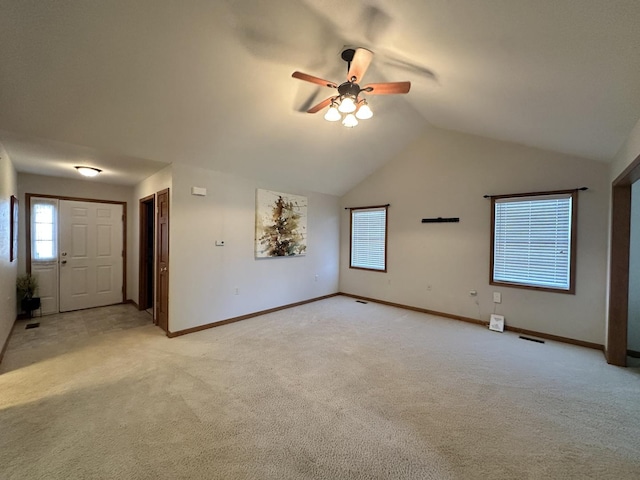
[44, 229]
[532, 241]
[369, 238]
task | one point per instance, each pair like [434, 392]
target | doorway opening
[616, 351]
[146, 286]
[76, 249]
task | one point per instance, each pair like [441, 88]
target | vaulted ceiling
[130, 86]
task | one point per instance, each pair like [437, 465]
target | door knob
[63, 262]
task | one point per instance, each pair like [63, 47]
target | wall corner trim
[6, 342]
[206, 326]
[547, 336]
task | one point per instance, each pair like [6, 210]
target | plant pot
[30, 304]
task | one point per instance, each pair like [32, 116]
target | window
[369, 238]
[533, 243]
[44, 234]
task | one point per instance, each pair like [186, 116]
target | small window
[369, 238]
[534, 241]
[44, 234]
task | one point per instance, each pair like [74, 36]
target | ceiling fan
[348, 101]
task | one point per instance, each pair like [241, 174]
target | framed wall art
[281, 224]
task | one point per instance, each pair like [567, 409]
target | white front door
[91, 254]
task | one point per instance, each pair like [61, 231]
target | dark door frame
[616, 351]
[27, 216]
[144, 265]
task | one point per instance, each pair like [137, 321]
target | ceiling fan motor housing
[349, 89]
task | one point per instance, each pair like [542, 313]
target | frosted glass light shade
[350, 121]
[364, 112]
[332, 115]
[347, 105]
[88, 171]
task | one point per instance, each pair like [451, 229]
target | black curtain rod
[536, 193]
[372, 206]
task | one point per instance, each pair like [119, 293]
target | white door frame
[60, 197]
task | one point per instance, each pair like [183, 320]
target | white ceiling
[129, 86]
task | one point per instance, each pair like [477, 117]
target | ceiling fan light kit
[347, 105]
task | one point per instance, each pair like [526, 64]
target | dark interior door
[162, 267]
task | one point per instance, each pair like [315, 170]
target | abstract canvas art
[281, 224]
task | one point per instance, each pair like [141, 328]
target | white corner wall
[8, 270]
[203, 278]
[633, 322]
[628, 152]
[434, 266]
[68, 187]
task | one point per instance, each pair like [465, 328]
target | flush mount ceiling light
[347, 105]
[88, 171]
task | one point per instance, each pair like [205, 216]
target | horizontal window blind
[532, 241]
[368, 238]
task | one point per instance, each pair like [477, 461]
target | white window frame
[368, 246]
[522, 260]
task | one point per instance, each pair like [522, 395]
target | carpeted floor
[329, 390]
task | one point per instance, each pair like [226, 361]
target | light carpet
[329, 390]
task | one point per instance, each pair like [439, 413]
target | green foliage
[26, 286]
[282, 237]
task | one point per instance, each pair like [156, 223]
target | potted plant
[26, 286]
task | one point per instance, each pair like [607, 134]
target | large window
[369, 238]
[533, 243]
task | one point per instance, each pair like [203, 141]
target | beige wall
[81, 188]
[8, 270]
[203, 278]
[628, 152]
[434, 266]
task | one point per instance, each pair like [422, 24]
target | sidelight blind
[368, 238]
[532, 241]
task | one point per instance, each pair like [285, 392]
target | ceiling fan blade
[312, 79]
[321, 105]
[359, 64]
[389, 88]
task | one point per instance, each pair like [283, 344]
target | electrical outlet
[497, 297]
